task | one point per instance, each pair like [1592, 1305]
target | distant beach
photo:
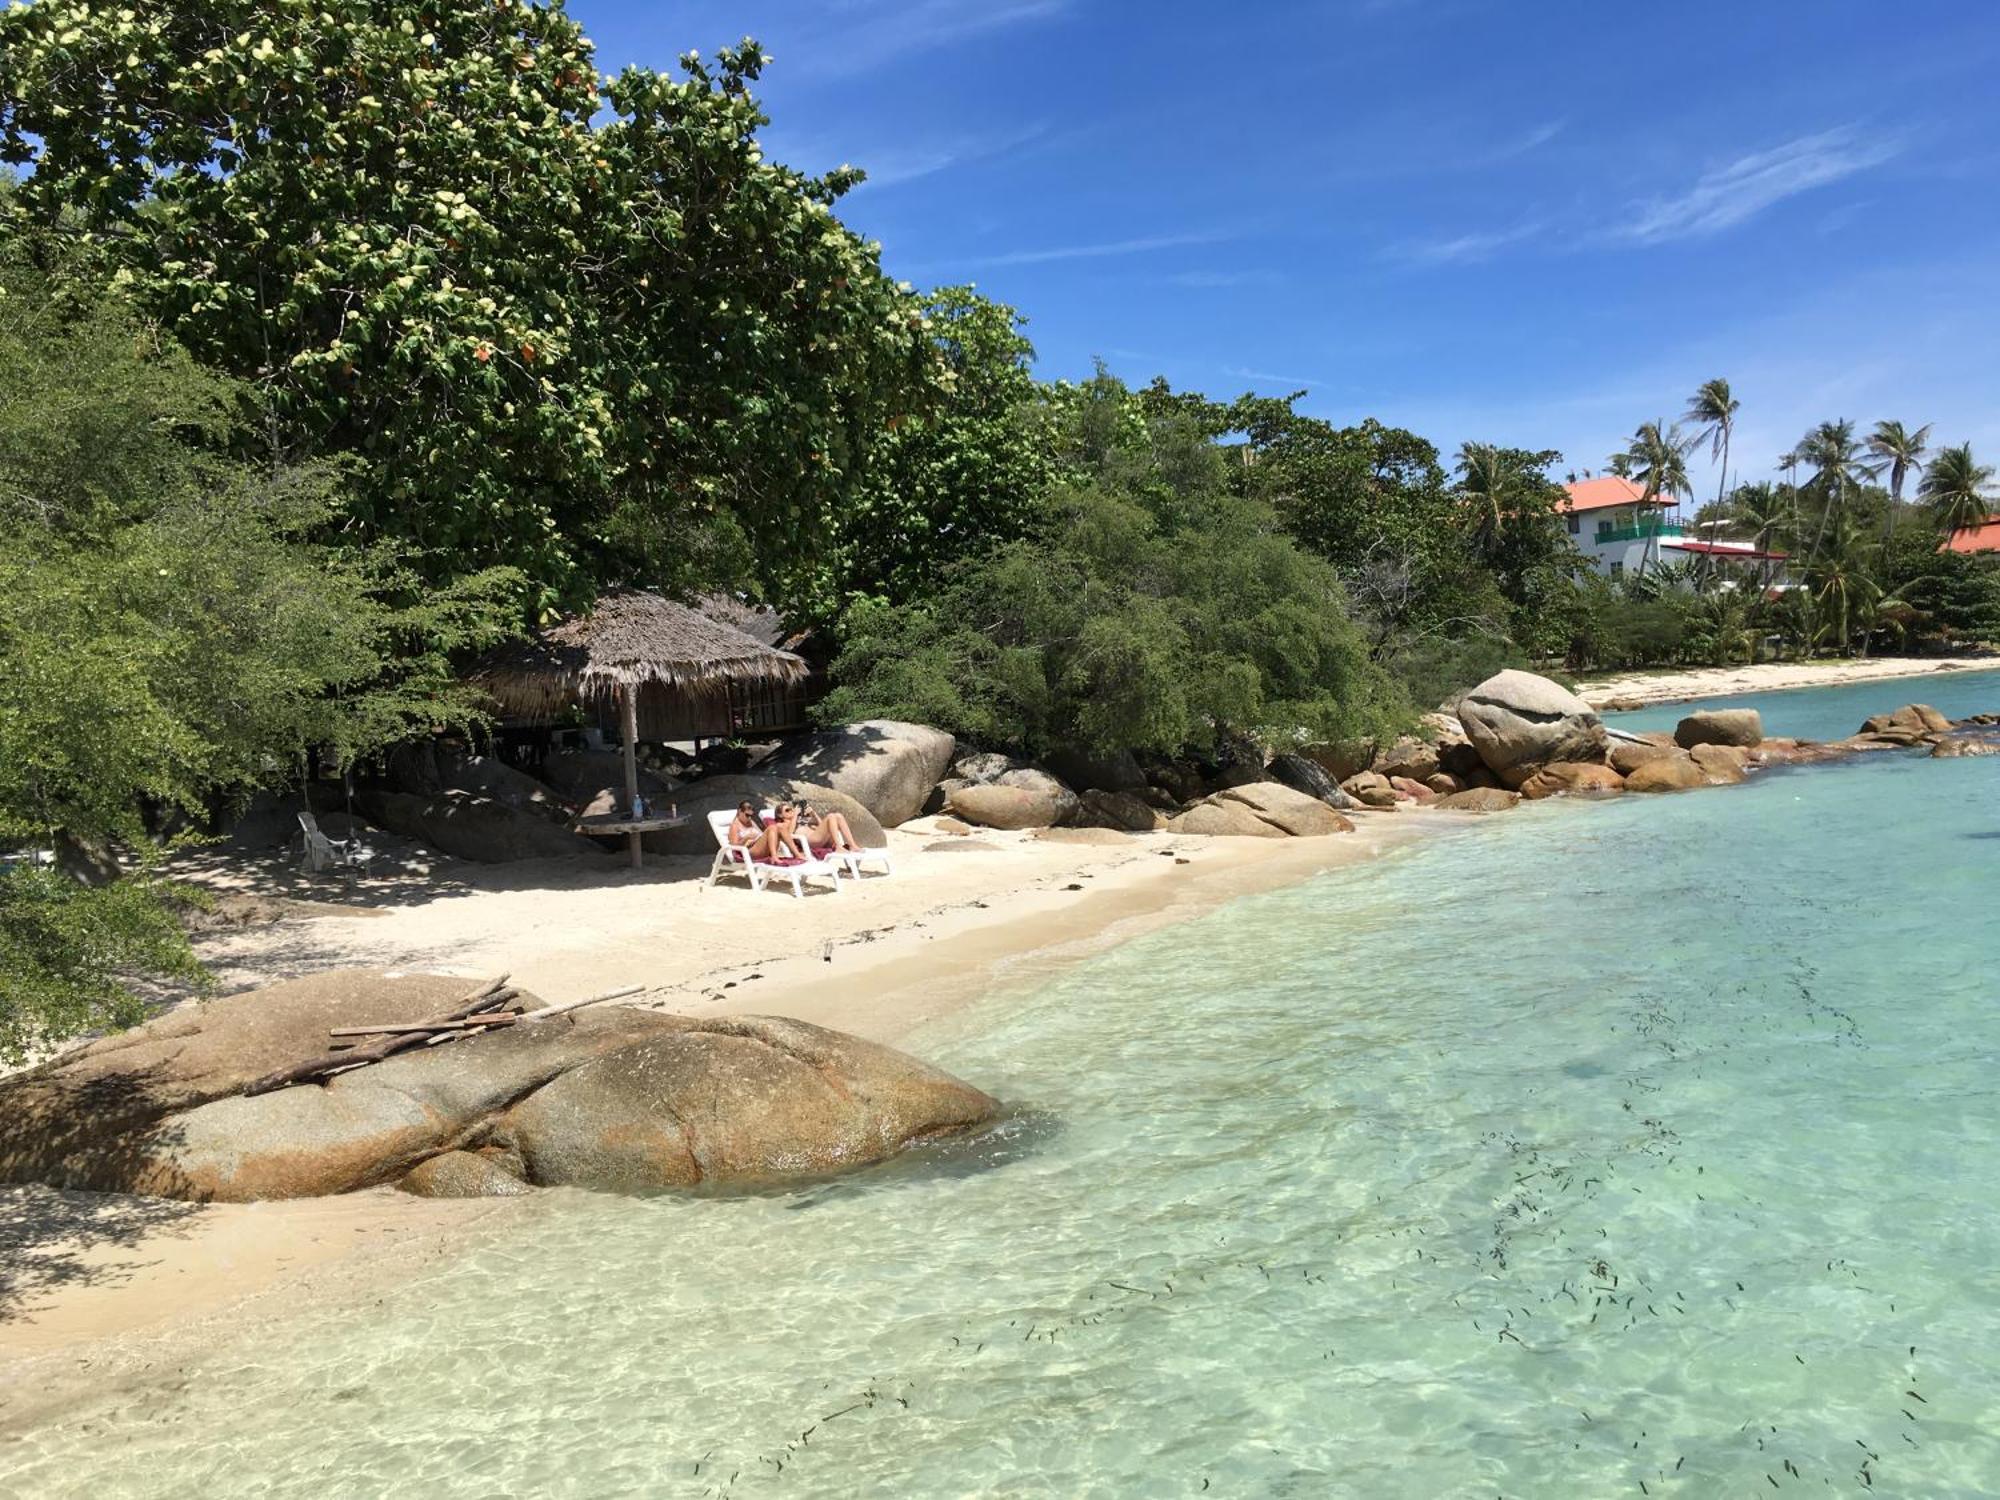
[1635, 689]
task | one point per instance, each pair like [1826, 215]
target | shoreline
[105, 1291]
[1694, 684]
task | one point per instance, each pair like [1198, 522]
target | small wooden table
[632, 828]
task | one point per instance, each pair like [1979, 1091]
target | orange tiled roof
[1608, 490]
[1985, 537]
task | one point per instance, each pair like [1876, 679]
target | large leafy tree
[573, 324]
[172, 634]
[947, 483]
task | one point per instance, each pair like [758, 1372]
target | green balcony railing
[1639, 529]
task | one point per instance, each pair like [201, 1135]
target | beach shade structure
[631, 645]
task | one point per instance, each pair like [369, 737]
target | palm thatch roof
[629, 639]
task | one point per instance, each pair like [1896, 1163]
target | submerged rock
[1573, 779]
[609, 1097]
[1955, 746]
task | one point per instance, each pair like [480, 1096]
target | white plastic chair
[851, 860]
[759, 872]
[323, 853]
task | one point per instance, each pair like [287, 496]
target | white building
[1616, 527]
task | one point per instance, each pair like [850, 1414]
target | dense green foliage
[171, 631]
[576, 326]
[1149, 608]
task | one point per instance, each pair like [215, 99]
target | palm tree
[1761, 513]
[1956, 487]
[1658, 459]
[1833, 453]
[1841, 579]
[1898, 451]
[1713, 412]
[1486, 479]
[1619, 464]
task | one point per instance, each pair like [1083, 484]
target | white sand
[119, 1288]
[1724, 682]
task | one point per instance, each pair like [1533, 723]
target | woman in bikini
[828, 834]
[757, 838]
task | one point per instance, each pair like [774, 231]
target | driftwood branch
[489, 997]
[469, 1023]
[569, 1005]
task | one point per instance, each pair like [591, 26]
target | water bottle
[638, 807]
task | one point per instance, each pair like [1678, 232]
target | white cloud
[893, 166]
[1223, 280]
[1094, 251]
[1727, 195]
[863, 34]
[1463, 249]
[1266, 377]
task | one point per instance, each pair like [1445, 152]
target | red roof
[1724, 549]
[1608, 490]
[1985, 537]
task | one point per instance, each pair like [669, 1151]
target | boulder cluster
[611, 1098]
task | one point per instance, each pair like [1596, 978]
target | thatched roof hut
[630, 639]
[647, 656]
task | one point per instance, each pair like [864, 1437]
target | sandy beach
[1640, 688]
[102, 1289]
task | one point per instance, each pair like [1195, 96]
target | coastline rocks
[886, 765]
[489, 776]
[1958, 746]
[1181, 782]
[1042, 784]
[1573, 779]
[1261, 809]
[1341, 759]
[1480, 799]
[1121, 810]
[1370, 789]
[1410, 790]
[471, 827]
[1410, 758]
[595, 779]
[1720, 726]
[1444, 783]
[1007, 807]
[1675, 772]
[1723, 765]
[1917, 718]
[1117, 772]
[1303, 775]
[1628, 755]
[596, 1099]
[1519, 722]
[984, 767]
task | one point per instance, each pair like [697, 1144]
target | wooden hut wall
[738, 710]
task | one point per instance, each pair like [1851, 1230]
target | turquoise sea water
[1649, 1143]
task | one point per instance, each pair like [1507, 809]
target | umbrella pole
[631, 707]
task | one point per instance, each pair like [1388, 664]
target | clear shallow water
[1833, 713]
[1651, 1141]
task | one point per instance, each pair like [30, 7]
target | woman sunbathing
[760, 840]
[829, 834]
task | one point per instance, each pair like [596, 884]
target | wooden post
[632, 765]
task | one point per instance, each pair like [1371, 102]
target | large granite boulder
[1370, 789]
[1913, 718]
[888, 766]
[1408, 757]
[1040, 783]
[1573, 779]
[1004, 807]
[1341, 759]
[1675, 772]
[1121, 810]
[1723, 765]
[610, 1098]
[1958, 746]
[1519, 722]
[1280, 811]
[1628, 755]
[473, 827]
[593, 781]
[1308, 776]
[984, 767]
[1480, 799]
[1720, 726]
[713, 793]
[489, 776]
[1117, 772]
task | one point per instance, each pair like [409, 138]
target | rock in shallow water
[640, 1099]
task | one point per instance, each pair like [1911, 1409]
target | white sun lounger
[323, 853]
[760, 872]
[851, 860]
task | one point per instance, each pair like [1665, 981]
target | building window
[1575, 524]
[1618, 570]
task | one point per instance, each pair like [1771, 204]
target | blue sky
[1529, 224]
